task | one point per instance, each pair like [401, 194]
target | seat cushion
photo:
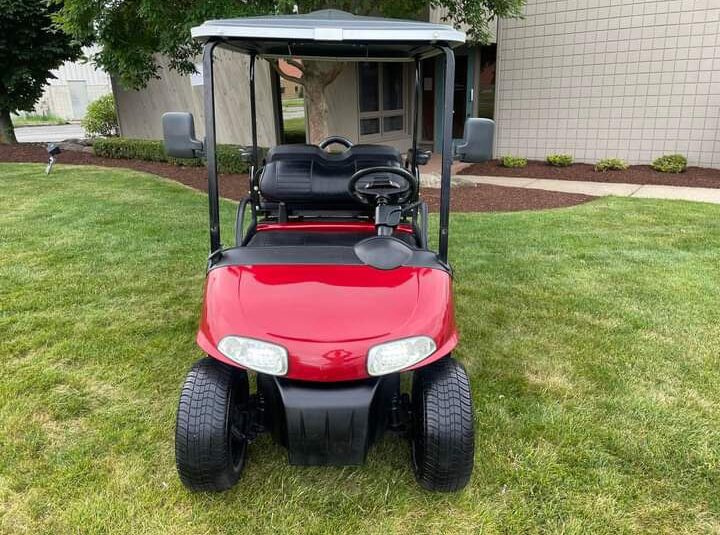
[309, 175]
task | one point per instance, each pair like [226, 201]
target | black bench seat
[310, 176]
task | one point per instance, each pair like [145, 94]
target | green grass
[293, 102]
[591, 336]
[37, 120]
[294, 130]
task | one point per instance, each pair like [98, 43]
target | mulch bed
[480, 198]
[700, 177]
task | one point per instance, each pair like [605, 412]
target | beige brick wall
[611, 78]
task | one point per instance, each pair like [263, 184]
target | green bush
[229, 157]
[514, 161]
[670, 163]
[611, 164]
[100, 118]
[560, 160]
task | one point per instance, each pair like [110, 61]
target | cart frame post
[210, 146]
[447, 156]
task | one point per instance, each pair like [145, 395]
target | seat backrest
[309, 175]
[293, 152]
[477, 143]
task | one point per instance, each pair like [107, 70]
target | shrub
[611, 164]
[100, 118]
[514, 161]
[560, 160]
[670, 163]
[229, 157]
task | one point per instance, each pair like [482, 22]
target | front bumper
[328, 423]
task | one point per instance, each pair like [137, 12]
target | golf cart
[331, 292]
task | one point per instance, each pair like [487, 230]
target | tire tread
[447, 441]
[202, 452]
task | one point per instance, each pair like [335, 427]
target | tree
[316, 76]
[131, 33]
[30, 46]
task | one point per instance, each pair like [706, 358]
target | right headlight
[399, 354]
[256, 355]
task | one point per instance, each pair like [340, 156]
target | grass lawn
[294, 130]
[591, 334]
[37, 120]
[293, 102]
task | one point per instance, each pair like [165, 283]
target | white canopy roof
[330, 33]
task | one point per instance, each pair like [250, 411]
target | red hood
[327, 317]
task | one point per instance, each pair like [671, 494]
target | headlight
[260, 356]
[394, 356]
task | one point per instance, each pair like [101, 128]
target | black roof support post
[254, 186]
[210, 146]
[416, 114]
[277, 107]
[447, 156]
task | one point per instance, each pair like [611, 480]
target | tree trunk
[317, 113]
[317, 76]
[7, 131]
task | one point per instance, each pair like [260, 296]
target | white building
[75, 85]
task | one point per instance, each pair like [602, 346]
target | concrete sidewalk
[599, 189]
[43, 134]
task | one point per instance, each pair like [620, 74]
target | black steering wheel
[395, 185]
[332, 140]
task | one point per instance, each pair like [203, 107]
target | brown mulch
[479, 198]
[700, 177]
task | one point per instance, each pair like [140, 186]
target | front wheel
[212, 418]
[443, 437]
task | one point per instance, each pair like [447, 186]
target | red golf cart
[331, 292]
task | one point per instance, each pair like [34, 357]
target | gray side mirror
[179, 135]
[477, 143]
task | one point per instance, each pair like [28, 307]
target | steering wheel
[395, 184]
[332, 140]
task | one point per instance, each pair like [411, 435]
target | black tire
[443, 436]
[210, 446]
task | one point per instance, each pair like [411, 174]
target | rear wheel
[212, 421]
[443, 438]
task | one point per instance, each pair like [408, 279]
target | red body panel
[327, 317]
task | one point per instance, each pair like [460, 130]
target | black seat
[310, 176]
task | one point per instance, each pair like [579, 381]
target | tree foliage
[30, 46]
[132, 32]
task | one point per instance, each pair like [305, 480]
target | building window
[382, 98]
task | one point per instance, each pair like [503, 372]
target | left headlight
[262, 357]
[399, 354]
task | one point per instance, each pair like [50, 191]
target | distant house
[75, 85]
[288, 88]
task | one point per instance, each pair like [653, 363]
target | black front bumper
[328, 423]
